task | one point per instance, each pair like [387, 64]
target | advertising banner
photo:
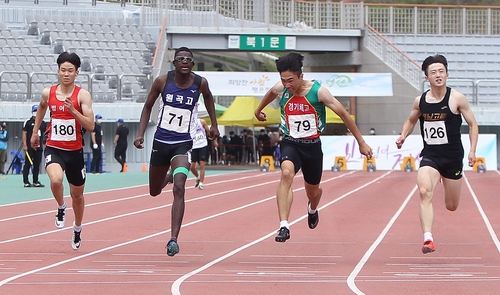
[389, 157]
[339, 84]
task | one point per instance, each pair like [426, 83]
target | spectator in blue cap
[120, 143]
[97, 146]
[33, 157]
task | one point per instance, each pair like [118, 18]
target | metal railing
[393, 57]
[88, 81]
[295, 14]
[478, 92]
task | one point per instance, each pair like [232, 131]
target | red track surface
[368, 241]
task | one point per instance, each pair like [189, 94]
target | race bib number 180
[435, 132]
[63, 130]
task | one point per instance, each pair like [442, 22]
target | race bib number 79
[302, 126]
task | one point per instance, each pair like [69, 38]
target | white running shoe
[60, 218]
[76, 241]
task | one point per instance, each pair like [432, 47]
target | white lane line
[86, 193]
[10, 279]
[133, 213]
[177, 284]
[483, 215]
[127, 188]
[114, 200]
[362, 262]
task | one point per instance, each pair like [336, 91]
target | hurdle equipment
[408, 164]
[340, 164]
[479, 165]
[266, 163]
[369, 165]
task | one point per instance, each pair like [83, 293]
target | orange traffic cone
[144, 168]
[125, 168]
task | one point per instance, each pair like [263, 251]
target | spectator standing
[97, 146]
[264, 144]
[33, 157]
[250, 147]
[4, 138]
[120, 143]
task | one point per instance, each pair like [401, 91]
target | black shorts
[198, 155]
[306, 155]
[448, 167]
[163, 153]
[71, 162]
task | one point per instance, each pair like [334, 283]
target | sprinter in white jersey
[199, 152]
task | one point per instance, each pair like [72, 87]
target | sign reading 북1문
[261, 42]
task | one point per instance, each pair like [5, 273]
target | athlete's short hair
[290, 62]
[183, 49]
[438, 58]
[72, 58]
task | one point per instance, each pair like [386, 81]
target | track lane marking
[177, 284]
[350, 279]
[10, 279]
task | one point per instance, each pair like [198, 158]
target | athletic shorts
[306, 155]
[71, 162]
[447, 167]
[163, 153]
[198, 155]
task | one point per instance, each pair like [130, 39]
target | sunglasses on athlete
[184, 58]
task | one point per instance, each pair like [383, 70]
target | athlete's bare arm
[335, 105]
[271, 95]
[463, 107]
[409, 124]
[86, 117]
[40, 114]
[208, 99]
[155, 91]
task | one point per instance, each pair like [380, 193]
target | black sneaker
[283, 235]
[38, 184]
[76, 242]
[28, 185]
[172, 248]
[312, 219]
[60, 218]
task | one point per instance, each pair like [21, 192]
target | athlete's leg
[193, 169]
[78, 202]
[284, 195]
[56, 175]
[202, 171]
[158, 179]
[427, 179]
[452, 190]
[314, 193]
[180, 166]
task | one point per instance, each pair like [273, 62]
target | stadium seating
[109, 47]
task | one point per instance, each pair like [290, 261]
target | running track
[367, 242]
